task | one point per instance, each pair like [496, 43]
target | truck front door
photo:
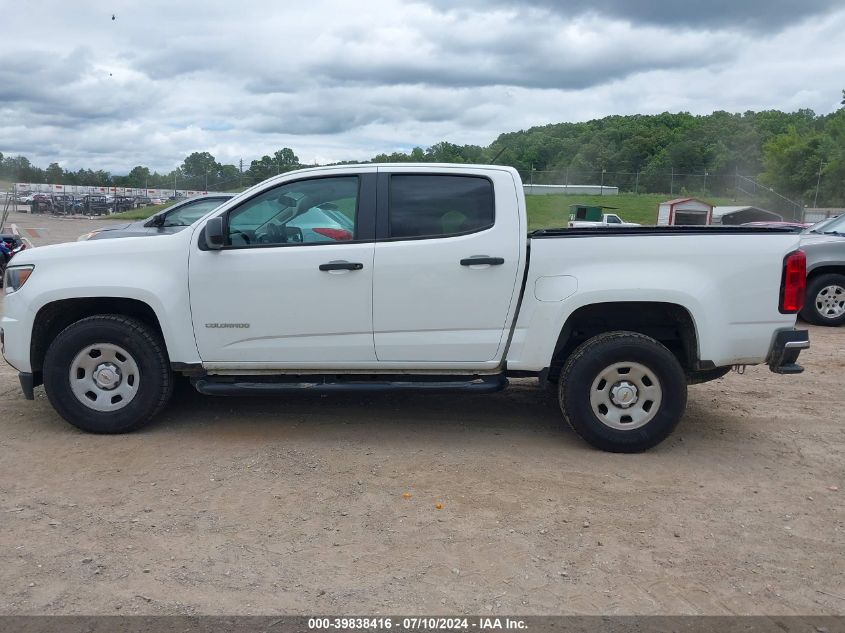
[292, 287]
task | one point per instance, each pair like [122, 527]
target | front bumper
[785, 350]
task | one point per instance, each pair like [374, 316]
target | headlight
[86, 236]
[15, 278]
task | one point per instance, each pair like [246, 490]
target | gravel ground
[307, 504]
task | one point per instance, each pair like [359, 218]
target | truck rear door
[448, 252]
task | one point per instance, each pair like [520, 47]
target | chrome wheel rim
[626, 396]
[830, 302]
[104, 377]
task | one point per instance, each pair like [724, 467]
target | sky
[341, 80]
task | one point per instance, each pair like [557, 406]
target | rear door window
[424, 206]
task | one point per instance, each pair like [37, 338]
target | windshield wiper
[834, 233]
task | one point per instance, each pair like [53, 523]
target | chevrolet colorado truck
[402, 277]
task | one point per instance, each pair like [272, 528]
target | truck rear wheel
[825, 302]
[622, 392]
[107, 374]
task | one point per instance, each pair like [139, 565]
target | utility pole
[818, 182]
[736, 183]
[637, 184]
[705, 182]
[601, 188]
[672, 182]
[241, 179]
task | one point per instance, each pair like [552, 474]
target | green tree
[286, 159]
[228, 178]
[139, 177]
[199, 168]
[281, 161]
[54, 174]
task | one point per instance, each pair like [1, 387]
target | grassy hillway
[543, 211]
[553, 211]
[138, 214]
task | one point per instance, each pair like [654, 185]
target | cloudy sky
[341, 80]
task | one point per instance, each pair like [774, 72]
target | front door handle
[341, 265]
[478, 260]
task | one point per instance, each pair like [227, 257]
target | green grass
[553, 211]
[137, 214]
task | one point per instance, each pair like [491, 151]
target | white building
[684, 212]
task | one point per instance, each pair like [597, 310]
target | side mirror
[214, 237]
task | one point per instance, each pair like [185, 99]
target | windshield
[191, 212]
[831, 225]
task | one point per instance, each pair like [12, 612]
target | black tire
[590, 360]
[146, 350]
[816, 286]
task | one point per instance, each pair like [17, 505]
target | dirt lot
[297, 504]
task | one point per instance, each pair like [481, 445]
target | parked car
[41, 203]
[61, 203]
[824, 244]
[94, 205]
[10, 245]
[119, 204]
[434, 292]
[142, 201]
[170, 220]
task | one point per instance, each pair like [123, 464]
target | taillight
[338, 235]
[794, 282]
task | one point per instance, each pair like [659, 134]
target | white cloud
[340, 81]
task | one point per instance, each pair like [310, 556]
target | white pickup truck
[402, 277]
[607, 220]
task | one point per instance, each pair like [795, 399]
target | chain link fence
[724, 189]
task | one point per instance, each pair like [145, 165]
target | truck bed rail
[657, 230]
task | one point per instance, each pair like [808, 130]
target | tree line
[798, 154]
[199, 171]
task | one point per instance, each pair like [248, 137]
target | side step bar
[252, 385]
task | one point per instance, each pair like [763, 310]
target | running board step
[246, 386]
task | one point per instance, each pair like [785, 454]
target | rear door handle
[478, 260]
[341, 265]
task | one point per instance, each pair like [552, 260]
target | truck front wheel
[107, 374]
[622, 392]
